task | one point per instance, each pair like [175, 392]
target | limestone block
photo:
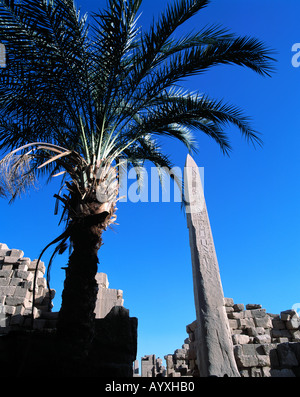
[4, 282]
[228, 302]
[251, 306]
[16, 253]
[240, 339]
[263, 339]
[244, 323]
[25, 275]
[238, 307]
[180, 354]
[254, 331]
[22, 292]
[33, 264]
[293, 323]
[3, 247]
[5, 273]
[10, 259]
[280, 333]
[263, 361]
[9, 310]
[14, 300]
[236, 315]
[257, 313]
[295, 335]
[277, 323]
[7, 290]
[244, 361]
[233, 324]
[264, 322]
[288, 314]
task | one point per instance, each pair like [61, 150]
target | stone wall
[29, 343]
[16, 292]
[265, 345]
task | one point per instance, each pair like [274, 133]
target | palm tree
[78, 99]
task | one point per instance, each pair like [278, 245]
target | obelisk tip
[190, 162]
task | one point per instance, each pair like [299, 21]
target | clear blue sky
[252, 197]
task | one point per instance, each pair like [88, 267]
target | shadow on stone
[112, 352]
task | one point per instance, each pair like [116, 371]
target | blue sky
[252, 197]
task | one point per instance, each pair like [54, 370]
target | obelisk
[213, 338]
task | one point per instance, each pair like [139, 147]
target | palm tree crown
[78, 98]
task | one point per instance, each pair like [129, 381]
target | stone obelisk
[213, 338]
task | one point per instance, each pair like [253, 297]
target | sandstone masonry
[16, 292]
[264, 344]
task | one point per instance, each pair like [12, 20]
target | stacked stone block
[183, 362]
[265, 345]
[152, 366]
[16, 292]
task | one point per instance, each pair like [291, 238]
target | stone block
[22, 266]
[246, 361]
[14, 300]
[228, 302]
[22, 292]
[9, 310]
[10, 260]
[254, 331]
[277, 323]
[238, 307]
[5, 273]
[235, 315]
[287, 314]
[4, 282]
[280, 333]
[244, 323]
[233, 324]
[264, 322]
[240, 339]
[7, 290]
[263, 361]
[251, 306]
[33, 264]
[258, 313]
[293, 323]
[263, 339]
[25, 275]
[295, 336]
[286, 356]
[15, 253]
[249, 349]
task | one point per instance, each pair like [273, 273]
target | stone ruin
[264, 344]
[16, 294]
[28, 330]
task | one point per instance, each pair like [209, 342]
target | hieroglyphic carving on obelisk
[213, 338]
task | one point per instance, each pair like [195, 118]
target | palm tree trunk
[76, 316]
